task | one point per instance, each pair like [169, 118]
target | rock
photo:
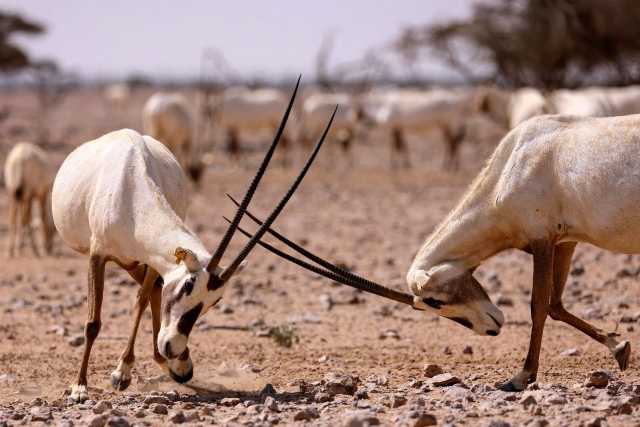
[444, 380]
[336, 383]
[467, 350]
[498, 423]
[570, 352]
[149, 400]
[360, 419]
[389, 333]
[76, 341]
[597, 422]
[424, 419]
[447, 351]
[118, 422]
[101, 407]
[140, 413]
[360, 394]
[306, 414]
[230, 401]
[40, 414]
[597, 379]
[177, 417]
[577, 270]
[98, 421]
[431, 371]
[397, 400]
[271, 404]
[504, 301]
[556, 399]
[321, 397]
[159, 408]
[327, 302]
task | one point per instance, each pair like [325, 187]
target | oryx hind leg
[79, 391]
[121, 376]
[562, 263]
[26, 224]
[14, 206]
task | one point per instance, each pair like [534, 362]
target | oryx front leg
[543, 252]
[92, 327]
[562, 263]
[121, 377]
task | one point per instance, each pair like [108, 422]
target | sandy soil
[359, 360]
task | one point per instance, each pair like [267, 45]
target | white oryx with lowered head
[28, 175]
[123, 198]
[167, 118]
[537, 193]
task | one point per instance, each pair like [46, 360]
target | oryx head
[196, 284]
[451, 291]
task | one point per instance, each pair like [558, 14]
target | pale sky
[166, 38]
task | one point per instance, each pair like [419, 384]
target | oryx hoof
[78, 394]
[120, 381]
[622, 352]
[181, 378]
[517, 383]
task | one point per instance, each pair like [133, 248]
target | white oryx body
[597, 101]
[167, 118]
[123, 198]
[405, 111]
[117, 93]
[553, 181]
[28, 175]
[251, 110]
[525, 103]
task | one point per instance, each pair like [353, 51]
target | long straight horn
[219, 252]
[375, 289]
[349, 278]
[228, 272]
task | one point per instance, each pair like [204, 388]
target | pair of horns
[331, 271]
[218, 280]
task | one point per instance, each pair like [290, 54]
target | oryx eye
[187, 287]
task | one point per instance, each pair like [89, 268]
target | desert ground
[288, 347]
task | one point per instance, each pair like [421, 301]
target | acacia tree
[12, 56]
[541, 43]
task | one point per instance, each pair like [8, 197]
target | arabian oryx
[240, 111]
[401, 112]
[345, 126]
[167, 118]
[28, 175]
[122, 198]
[537, 193]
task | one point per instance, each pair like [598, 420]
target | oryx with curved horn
[122, 198]
[552, 182]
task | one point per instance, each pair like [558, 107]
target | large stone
[597, 379]
[335, 383]
[431, 370]
[444, 380]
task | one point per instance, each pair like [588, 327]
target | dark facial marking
[186, 322]
[433, 303]
[158, 282]
[492, 333]
[462, 321]
[494, 320]
[167, 350]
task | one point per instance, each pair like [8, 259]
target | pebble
[431, 371]
[467, 350]
[504, 301]
[498, 423]
[101, 407]
[159, 408]
[597, 379]
[177, 417]
[424, 419]
[40, 414]
[337, 383]
[230, 401]
[360, 419]
[98, 421]
[444, 380]
[570, 352]
[149, 400]
[321, 397]
[306, 414]
[76, 341]
[118, 422]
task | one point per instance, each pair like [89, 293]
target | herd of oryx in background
[123, 198]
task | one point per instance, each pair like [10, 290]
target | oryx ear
[189, 259]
